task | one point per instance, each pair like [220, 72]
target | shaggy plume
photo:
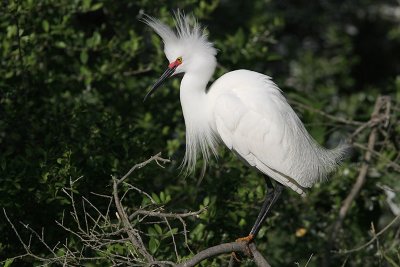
[199, 137]
[188, 35]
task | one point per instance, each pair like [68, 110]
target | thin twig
[185, 233]
[141, 192]
[125, 221]
[96, 233]
[373, 239]
[375, 153]
[309, 260]
[326, 115]
[137, 72]
[26, 247]
[363, 171]
[39, 237]
[167, 215]
[173, 238]
[156, 158]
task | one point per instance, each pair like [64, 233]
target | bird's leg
[270, 198]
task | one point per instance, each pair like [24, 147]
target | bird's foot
[248, 239]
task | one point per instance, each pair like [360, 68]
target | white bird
[243, 109]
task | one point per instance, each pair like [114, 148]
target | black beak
[168, 73]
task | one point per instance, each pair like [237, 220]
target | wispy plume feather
[165, 32]
[187, 33]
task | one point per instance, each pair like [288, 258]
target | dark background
[72, 78]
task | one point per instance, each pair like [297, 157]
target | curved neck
[195, 107]
[193, 94]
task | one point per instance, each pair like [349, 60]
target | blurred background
[72, 78]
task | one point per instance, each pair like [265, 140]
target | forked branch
[97, 230]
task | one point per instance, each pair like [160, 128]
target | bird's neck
[194, 97]
[195, 107]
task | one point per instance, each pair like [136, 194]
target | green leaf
[206, 201]
[162, 197]
[45, 176]
[156, 198]
[94, 41]
[11, 31]
[86, 4]
[8, 262]
[61, 44]
[152, 231]
[96, 6]
[173, 231]
[198, 232]
[84, 57]
[153, 245]
[158, 229]
[45, 25]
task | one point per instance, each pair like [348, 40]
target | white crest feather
[188, 35]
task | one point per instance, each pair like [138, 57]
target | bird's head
[186, 48]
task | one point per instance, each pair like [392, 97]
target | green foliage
[73, 76]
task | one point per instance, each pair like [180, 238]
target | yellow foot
[246, 239]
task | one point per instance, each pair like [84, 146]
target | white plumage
[243, 109]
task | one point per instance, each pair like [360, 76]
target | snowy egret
[243, 109]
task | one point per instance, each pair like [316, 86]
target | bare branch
[173, 238]
[167, 215]
[142, 192]
[227, 248]
[326, 115]
[380, 103]
[360, 179]
[96, 233]
[156, 158]
[136, 242]
[26, 247]
[375, 153]
[138, 71]
[373, 239]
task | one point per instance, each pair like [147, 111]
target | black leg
[270, 198]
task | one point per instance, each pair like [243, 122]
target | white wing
[253, 119]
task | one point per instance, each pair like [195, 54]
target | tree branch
[380, 102]
[375, 237]
[324, 114]
[96, 232]
[155, 158]
[227, 248]
[167, 215]
[133, 237]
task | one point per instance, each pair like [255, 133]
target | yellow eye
[179, 59]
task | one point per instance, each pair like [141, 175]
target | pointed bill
[167, 73]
